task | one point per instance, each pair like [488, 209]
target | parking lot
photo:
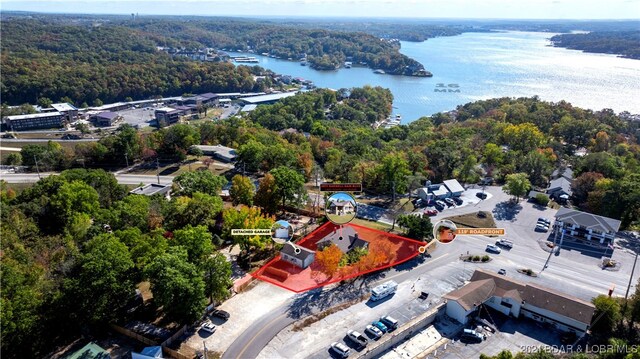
[140, 117]
[515, 335]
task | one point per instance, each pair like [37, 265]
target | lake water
[475, 66]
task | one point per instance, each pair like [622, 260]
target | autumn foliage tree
[329, 259]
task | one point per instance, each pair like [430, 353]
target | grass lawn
[471, 220]
[372, 224]
[341, 219]
[174, 169]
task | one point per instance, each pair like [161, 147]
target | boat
[347, 65]
[303, 63]
[378, 71]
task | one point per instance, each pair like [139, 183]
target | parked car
[383, 328]
[430, 212]
[389, 321]
[493, 248]
[502, 272]
[544, 220]
[471, 336]
[503, 242]
[439, 206]
[457, 200]
[220, 314]
[341, 349]
[450, 202]
[357, 338]
[418, 203]
[481, 195]
[208, 327]
[541, 227]
[375, 332]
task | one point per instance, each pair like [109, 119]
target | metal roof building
[267, 98]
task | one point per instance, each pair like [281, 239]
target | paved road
[122, 178]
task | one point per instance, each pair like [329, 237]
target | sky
[481, 9]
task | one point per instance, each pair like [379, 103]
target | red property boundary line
[277, 258]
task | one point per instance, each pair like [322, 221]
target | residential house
[560, 189]
[297, 255]
[587, 226]
[345, 238]
[225, 154]
[153, 189]
[515, 299]
[340, 207]
[564, 172]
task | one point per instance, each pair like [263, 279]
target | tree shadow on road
[318, 300]
[506, 211]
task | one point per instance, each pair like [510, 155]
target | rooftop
[107, 114]
[588, 220]
[290, 249]
[89, 351]
[33, 115]
[151, 189]
[218, 149]
[165, 109]
[248, 108]
[345, 237]
[267, 98]
[485, 284]
[562, 183]
[453, 185]
[62, 107]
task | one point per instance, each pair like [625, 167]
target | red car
[430, 212]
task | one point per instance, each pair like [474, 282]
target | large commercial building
[34, 121]
[517, 299]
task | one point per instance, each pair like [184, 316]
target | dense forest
[324, 49]
[85, 64]
[107, 61]
[623, 43]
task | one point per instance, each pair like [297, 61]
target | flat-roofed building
[266, 99]
[107, 118]
[34, 121]
[167, 115]
[153, 189]
[66, 109]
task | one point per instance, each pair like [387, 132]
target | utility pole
[626, 295]
[158, 169]
[37, 168]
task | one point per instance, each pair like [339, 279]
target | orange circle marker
[422, 249]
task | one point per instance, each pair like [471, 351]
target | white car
[542, 227]
[341, 349]
[504, 243]
[493, 248]
[375, 332]
[209, 327]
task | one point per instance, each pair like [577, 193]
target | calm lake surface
[475, 66]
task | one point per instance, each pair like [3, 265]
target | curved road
[251, 342]
[122, 178]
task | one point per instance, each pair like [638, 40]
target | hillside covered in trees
[623, 43]
[92, 61]
[80, 63]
